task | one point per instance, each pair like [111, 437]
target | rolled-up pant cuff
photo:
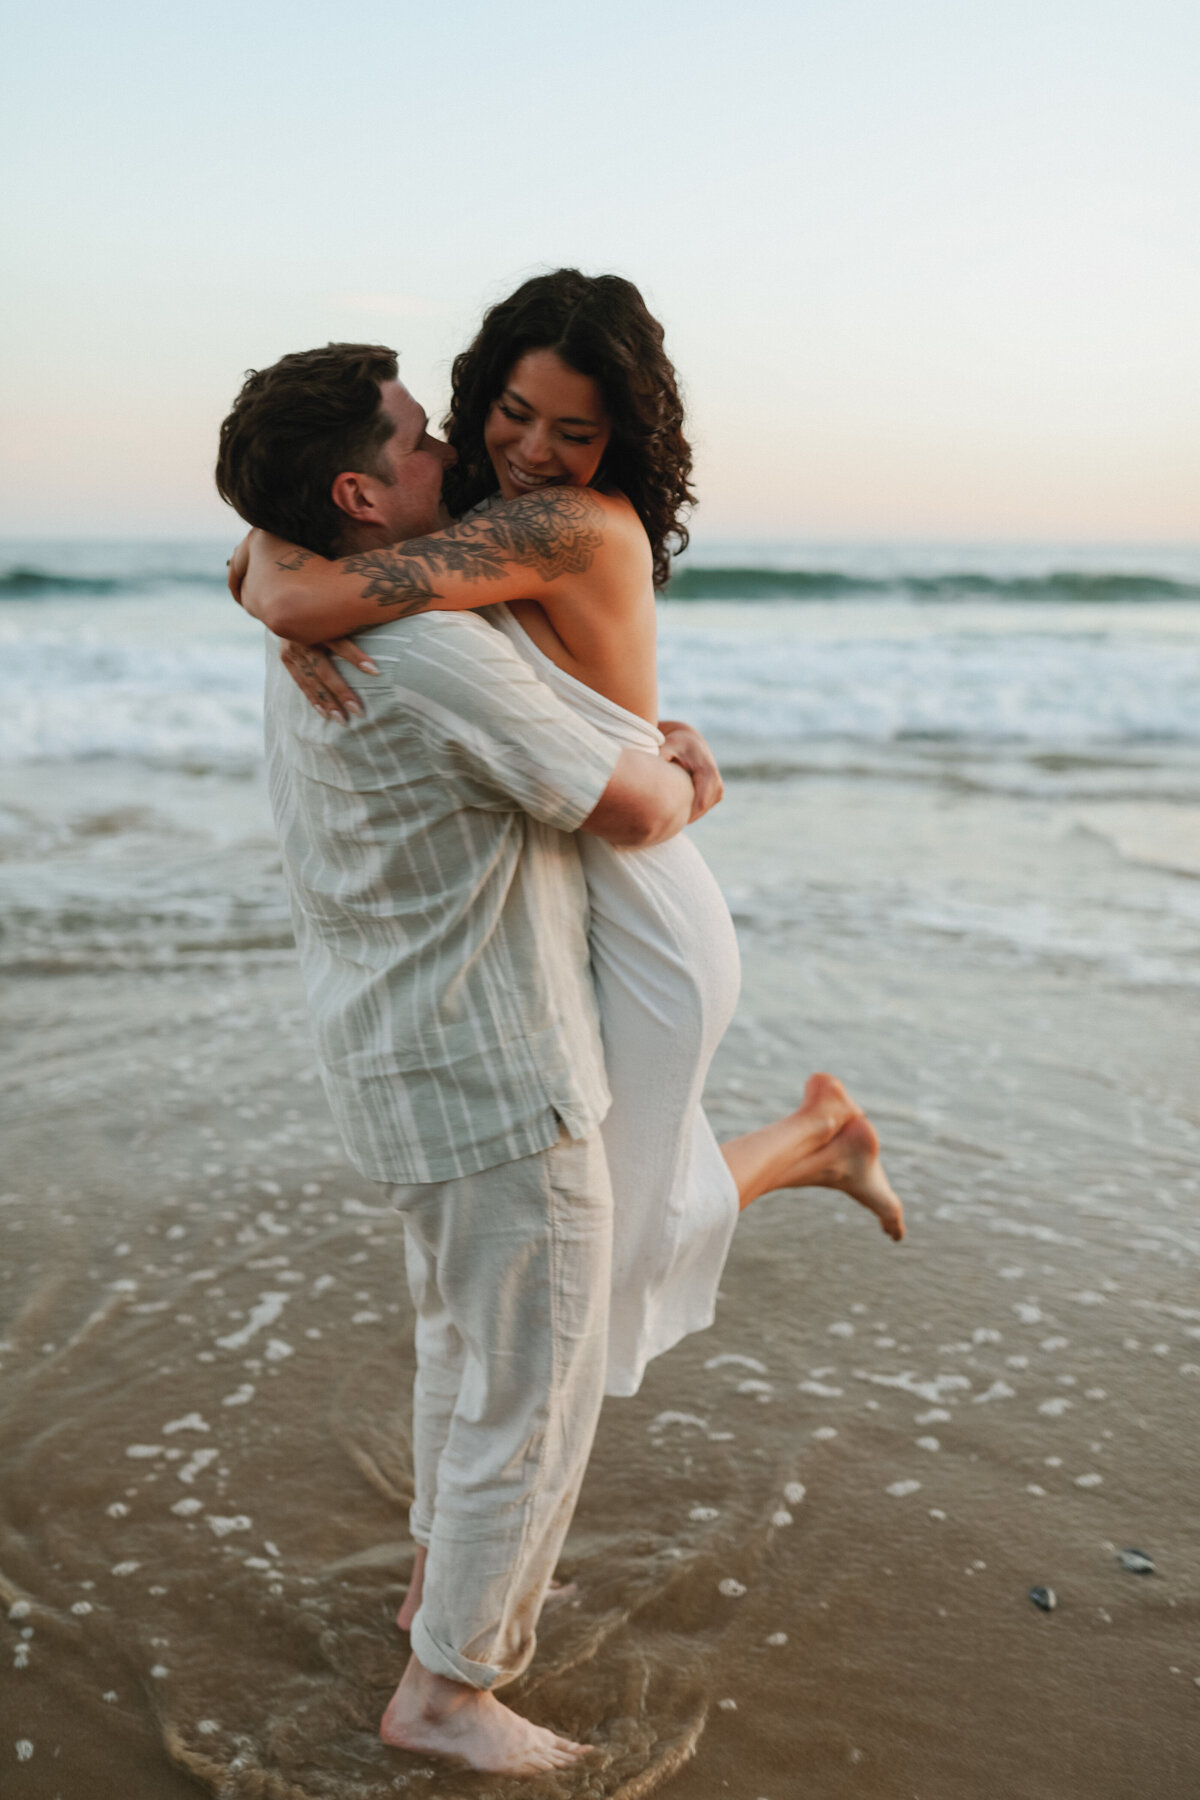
[443, 1659]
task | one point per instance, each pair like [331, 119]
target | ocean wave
[84, 695]
[1071, 586]
[1072, 576]
[31, 583]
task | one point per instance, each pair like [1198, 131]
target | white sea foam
[689, 1421]
[197, 1463]
[265, 1313]
[999, 1390]
[910, 1383]
[222, 1526]
[190, 1422]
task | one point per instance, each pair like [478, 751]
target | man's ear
[352, 494]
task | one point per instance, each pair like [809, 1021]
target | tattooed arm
[541, 547]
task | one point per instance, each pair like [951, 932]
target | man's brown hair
[294, 428]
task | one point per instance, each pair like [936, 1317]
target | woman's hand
[311, 668]
[684, 745]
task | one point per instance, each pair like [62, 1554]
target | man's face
[408, 500]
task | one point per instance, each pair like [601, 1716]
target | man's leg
[440, 1361]
[520, 1255]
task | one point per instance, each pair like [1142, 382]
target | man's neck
[357, 537]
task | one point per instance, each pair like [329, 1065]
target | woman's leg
[826, 1142]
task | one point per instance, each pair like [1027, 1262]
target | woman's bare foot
[558, 1593]
[850, 1163]
[825, 1108]
[762, 1160]
[437, 1717]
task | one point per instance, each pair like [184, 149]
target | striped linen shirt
[438, 901]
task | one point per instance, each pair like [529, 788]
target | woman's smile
[526, 478]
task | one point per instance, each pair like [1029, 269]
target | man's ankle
[433, 1695]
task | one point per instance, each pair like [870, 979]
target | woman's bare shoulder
[623, 530]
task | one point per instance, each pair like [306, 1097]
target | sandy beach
[805, 1550]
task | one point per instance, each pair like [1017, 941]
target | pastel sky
[929, 269]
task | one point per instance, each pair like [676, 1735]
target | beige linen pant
[509, 1274]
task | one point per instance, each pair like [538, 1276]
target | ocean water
[133, 820]
[135, 650]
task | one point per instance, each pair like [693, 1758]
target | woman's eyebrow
[511, 393]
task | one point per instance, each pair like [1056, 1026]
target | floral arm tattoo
[556, 532]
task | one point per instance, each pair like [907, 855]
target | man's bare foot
[437, 1717]
[850, 1163]
[558, 1593]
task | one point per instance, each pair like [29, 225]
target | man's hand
[646, 802]
[311, 668]
[236, 568]
[685, 746]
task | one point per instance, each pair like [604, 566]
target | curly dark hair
[600, 326]
[293, 428]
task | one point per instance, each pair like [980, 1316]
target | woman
[571, 481]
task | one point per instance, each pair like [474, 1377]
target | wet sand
[805, 1549]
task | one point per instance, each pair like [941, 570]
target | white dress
[665, 963]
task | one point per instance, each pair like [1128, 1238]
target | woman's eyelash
[521, 419]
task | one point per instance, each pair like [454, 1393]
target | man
[440, 915]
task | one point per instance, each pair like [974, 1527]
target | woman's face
[548, 428]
